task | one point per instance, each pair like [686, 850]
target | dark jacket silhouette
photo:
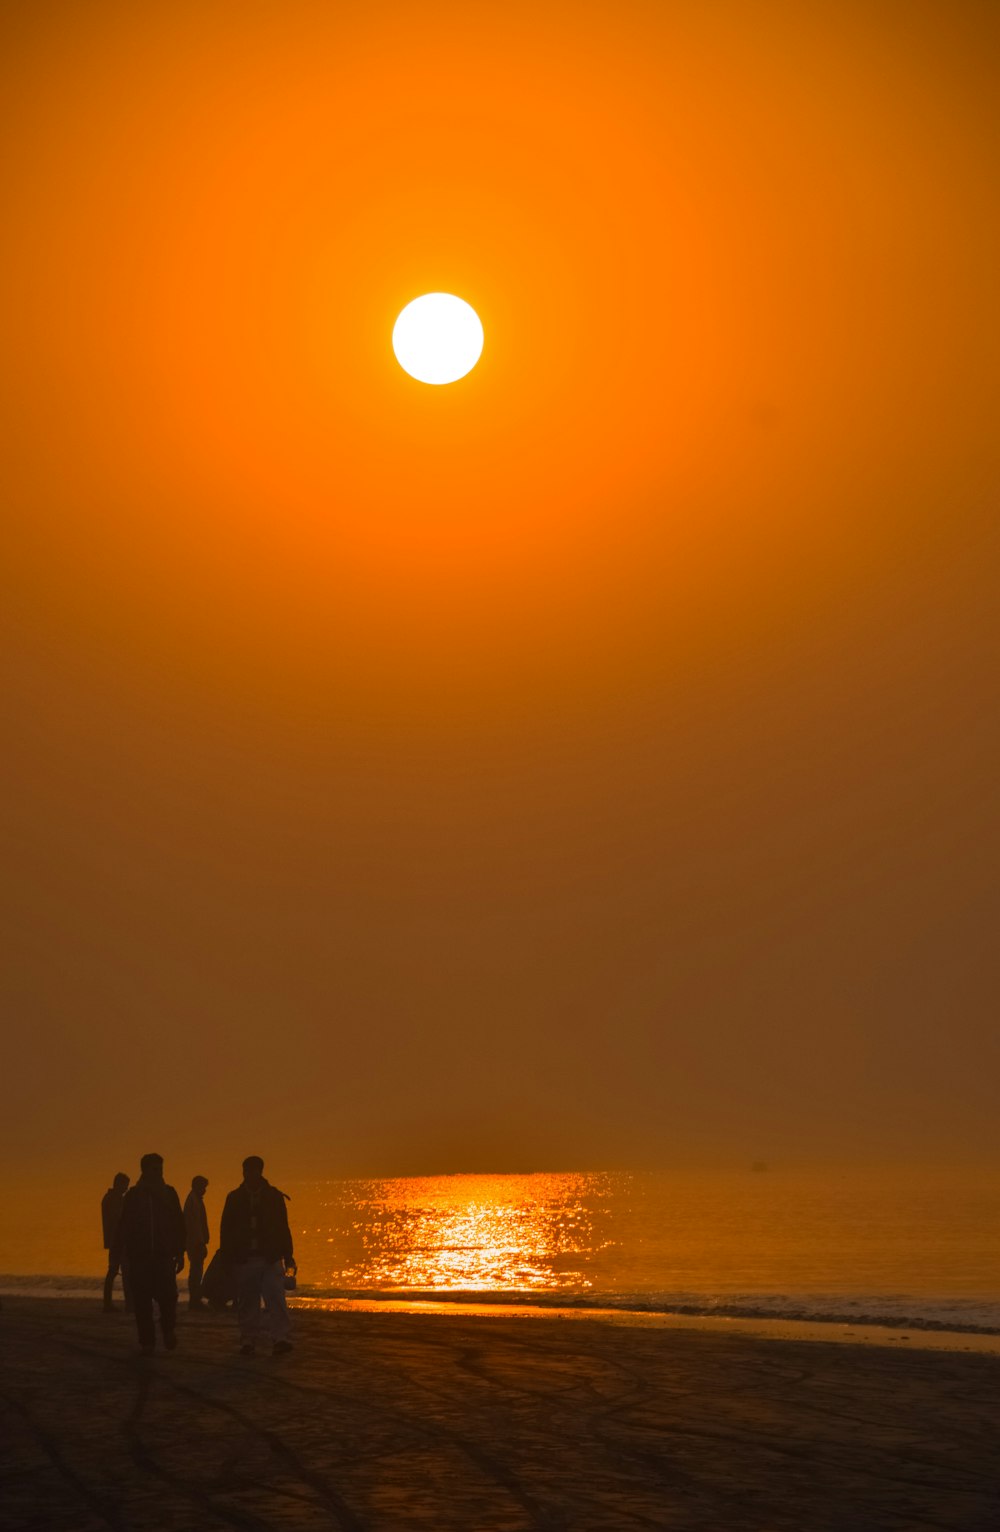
[151, 1224]
[195, 1221]
[255, 1222]
[111, 1212]
[150, 1237]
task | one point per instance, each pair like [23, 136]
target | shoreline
[386, 1422]
[917, 1335]
[833, 1331]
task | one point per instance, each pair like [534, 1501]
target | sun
[438, 338]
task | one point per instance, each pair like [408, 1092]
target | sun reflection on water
[460, 1233]
[666, 1237]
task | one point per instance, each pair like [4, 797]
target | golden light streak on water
[473, 1233]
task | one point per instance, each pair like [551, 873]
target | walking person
[111, 1212]
[196, 1239]
[151, 1238]
[256, 1242]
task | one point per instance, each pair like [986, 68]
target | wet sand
[389, 1421]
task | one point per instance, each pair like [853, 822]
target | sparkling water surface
[916, 1246]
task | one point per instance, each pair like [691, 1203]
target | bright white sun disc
[438, 338]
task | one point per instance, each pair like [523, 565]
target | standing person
[256, 1242]
[151, 1238]
[111, 1212]
[196, 1239]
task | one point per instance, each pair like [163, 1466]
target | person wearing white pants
[256, 1280]
[256, 1243]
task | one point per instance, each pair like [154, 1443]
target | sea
[913, 1248]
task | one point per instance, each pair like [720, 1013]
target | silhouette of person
[256, 1241]
[111, 1212]
[151, 1238]
[196, 1239]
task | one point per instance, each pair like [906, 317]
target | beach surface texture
[379, 1422]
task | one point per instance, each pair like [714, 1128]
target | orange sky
[640, 685]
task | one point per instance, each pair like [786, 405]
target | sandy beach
[390, 1421]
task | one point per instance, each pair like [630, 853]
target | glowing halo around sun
[438, 338]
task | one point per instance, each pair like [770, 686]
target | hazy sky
[592, 764]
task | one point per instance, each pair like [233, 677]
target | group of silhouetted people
[148, 1235]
